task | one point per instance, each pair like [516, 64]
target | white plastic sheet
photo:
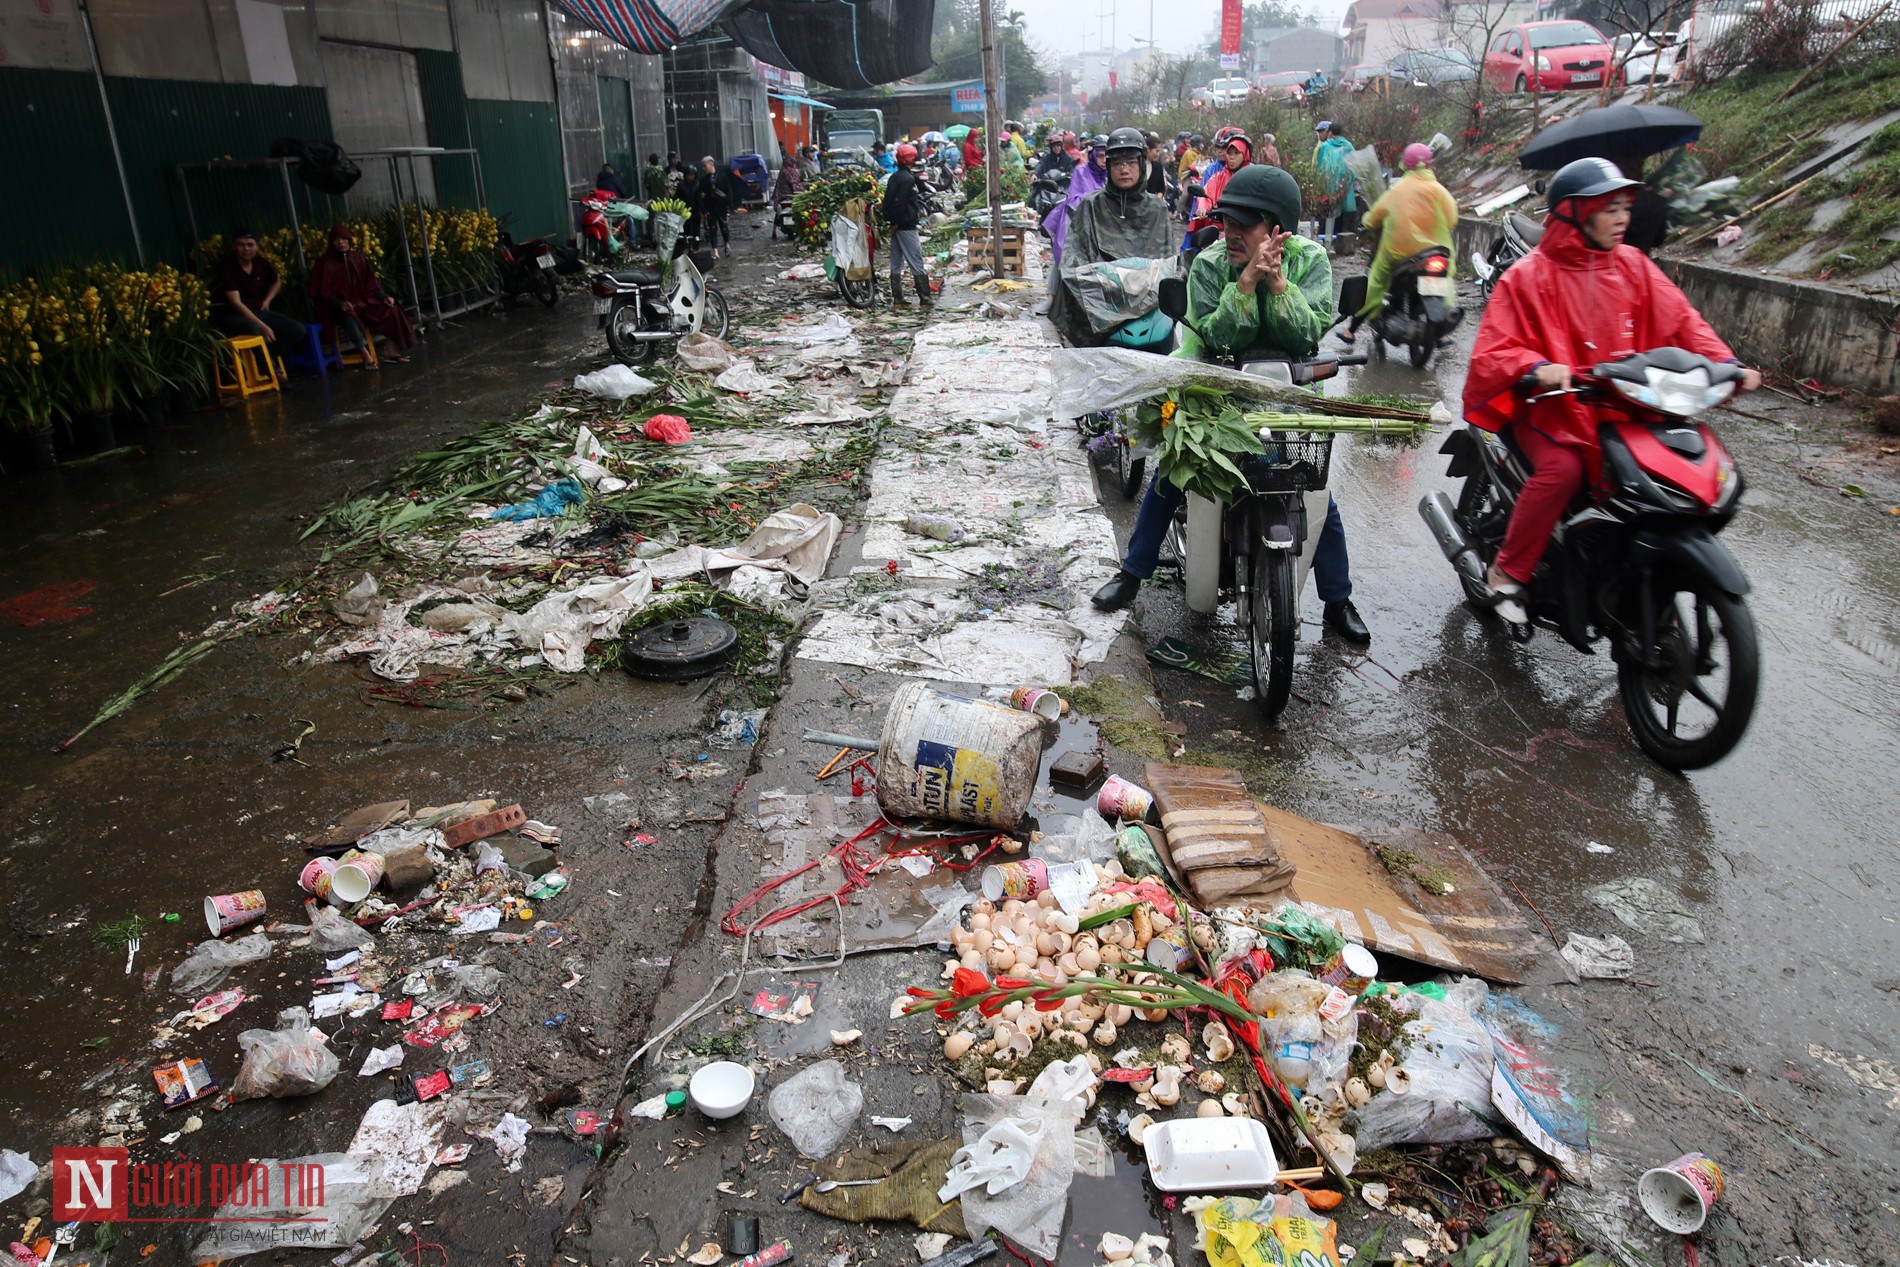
[615, 382]
[1091, 379]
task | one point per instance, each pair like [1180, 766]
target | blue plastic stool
[313, 357]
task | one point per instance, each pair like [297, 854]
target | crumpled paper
[797, 540]
[744, 377]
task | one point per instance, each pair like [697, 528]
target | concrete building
[1300, 48]
[1374, 30]
[541, 100]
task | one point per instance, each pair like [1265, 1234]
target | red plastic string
[853, 861]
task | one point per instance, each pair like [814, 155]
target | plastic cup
[226, 911]
[1121, 799]
[1020, 880]
[355, 877]
[315, 877]
[1034, 699]
[1680, 1195]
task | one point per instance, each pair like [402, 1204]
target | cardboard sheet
[1473, 929]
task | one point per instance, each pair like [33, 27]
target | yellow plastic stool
[251, 369]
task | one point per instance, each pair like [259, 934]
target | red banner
[1230, 28]
[1111, 81]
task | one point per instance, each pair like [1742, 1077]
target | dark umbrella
[1607, 131]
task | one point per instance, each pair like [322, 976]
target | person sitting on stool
[246, 287]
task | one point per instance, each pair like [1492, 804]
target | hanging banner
[1230, 24]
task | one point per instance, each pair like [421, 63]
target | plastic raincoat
[1086, 179]
[1221, 321]
[1336, 183]
[1414, 214]
[1110, 224]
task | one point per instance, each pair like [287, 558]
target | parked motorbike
[1259, 549]
[1513, 243]
[607, 224]
[526, 268]
[1636, 560]
[638, 318]
[1421, 305]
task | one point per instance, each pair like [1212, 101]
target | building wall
[195, 80]
[716, 102]
[1305, 50]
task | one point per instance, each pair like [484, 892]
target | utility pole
[992, 128]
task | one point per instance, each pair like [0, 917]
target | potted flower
[27, 396]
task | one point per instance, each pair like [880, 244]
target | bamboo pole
[1847, 39]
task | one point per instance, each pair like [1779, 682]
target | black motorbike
[1519, 234]
[526, 268]
[1636, 560]
[1048, 191]
[640, 311]
[1421, 305]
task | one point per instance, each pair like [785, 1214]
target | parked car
[1549, 56]
[1223, 92]
[1641, 60]
[1284, 85]
[1432, 66]
[1359, 78]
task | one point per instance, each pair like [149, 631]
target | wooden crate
[1013, 249]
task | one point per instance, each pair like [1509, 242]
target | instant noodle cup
[226, 911]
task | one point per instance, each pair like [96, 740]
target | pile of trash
[1176, 971]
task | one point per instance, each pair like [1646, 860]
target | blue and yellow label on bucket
[957, 783]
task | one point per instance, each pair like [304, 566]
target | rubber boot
[924, 296]
[897, 290]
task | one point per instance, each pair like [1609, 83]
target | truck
[847, 131]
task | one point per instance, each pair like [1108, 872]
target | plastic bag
[1113, 292]
[330, 931]
[1363, 163]
[353, 1195]
[1031, 1211]
[1088, 380]
[212, 961]
[1244, 1232]
[704, 354]
[288, 1060]
[816, 1108]
[17, 1173]
[615, 382]
[1307, 1051]
[1449, 1063]
[667, 227]
[849, 246]
[547, 504]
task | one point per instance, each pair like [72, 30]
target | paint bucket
[1352, 969]
[1034, 699]
[1121, 799]
[969, 761]
[315, 877]
[1018, 880]
[355, 877]
[226, 911]
[1680, 1195]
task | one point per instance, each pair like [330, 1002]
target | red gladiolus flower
[964, 983]
[1048, 1001]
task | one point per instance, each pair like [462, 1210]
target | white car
[1642, 60]
[1224, 92]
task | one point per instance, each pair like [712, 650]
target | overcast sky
[1078, 26]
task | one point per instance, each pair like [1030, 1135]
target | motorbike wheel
[1274, 627]
[1693, 625]
[1421, 354]
[1476, 502]
[717, 319]
[622, 323]
[541, 286]
[1129, 465]
[858, 294]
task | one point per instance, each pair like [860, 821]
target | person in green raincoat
[1338, 188]
[1260, 292]
[1416, 213]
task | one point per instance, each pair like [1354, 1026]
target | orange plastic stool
[246, 367]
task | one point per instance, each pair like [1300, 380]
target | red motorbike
[1636, 559]
[603, 235]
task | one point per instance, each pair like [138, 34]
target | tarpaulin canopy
[651, 26]
[849, 44]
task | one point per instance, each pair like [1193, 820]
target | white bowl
[721, 1089]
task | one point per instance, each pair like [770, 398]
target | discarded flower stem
[168, 668]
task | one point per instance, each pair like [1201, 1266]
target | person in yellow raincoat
[1416, 213]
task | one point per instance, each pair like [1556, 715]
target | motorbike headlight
[1720, 392]
[1641, 393]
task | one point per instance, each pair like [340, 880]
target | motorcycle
[1636, 561]
[628, 304]
[1513, 243]
[1048, 191]
[526, 268]
[1259, 550]
[607, 224]
[1421, 305]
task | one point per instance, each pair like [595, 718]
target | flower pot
[154, 410]
[32, 450]
[93, 433]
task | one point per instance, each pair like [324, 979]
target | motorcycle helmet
[1416, 155]
[1225, 135]
[1258, 192]
[1585, 178]
[906, 154]
[1126, 140]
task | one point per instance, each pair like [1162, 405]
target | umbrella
[934, 138]
[956, 133]
[1610, 130]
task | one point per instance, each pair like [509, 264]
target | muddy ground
[1766, 1046]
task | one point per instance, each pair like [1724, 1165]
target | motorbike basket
[1291, 464]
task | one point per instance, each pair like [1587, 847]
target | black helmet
[1122, 139]
[1586, 178]
[1260, 192]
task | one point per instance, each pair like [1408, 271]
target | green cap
[675, 1099]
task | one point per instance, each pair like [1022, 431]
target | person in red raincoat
[1580, 298]
[973, 150]
[345, 292]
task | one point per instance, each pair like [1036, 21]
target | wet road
[1784, 851]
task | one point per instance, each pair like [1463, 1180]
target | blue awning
[795, 99]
